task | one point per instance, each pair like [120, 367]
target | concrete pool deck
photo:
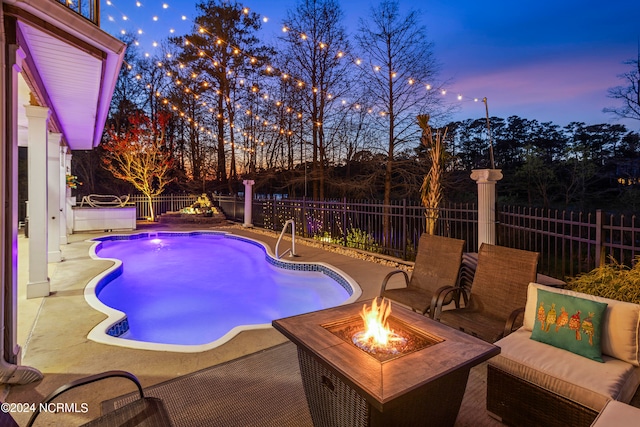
[53, 330]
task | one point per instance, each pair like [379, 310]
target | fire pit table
[423, 384]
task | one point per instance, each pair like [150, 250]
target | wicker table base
[333, 403]
[345, 386]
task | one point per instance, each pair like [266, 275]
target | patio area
[53, 334]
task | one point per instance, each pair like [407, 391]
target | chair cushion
[569, 322]
[617, 414]
[620, 327]
[584, 381]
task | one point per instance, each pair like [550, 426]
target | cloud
[559, 89]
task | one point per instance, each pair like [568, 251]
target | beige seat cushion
[617, 414]
[584, 381]
[620, 325]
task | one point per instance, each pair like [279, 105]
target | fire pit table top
[383, 382]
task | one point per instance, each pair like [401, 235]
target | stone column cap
[486, 175]
[37, 111]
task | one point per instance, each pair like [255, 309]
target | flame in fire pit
[377, 336]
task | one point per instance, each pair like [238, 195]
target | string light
[269, 69]
[322, 45]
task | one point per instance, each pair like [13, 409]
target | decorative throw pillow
[570, 323]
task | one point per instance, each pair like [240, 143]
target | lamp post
[486, 180]
[303, 159]
[486, 106]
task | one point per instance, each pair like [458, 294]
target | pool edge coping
[99, 332]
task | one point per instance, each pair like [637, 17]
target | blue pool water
[197, 288]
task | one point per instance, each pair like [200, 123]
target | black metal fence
[358, 224]
[569, 242]
[161, 204]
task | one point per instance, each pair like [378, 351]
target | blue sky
[544, 60]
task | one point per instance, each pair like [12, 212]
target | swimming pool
[190, 292]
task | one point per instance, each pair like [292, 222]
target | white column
[53, 197]
[11, 65]
[68, 201]
[486, 180]
[248, 199]
[63, 195]
[14, 58]
[38, 283]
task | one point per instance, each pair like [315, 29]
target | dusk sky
[544, 60]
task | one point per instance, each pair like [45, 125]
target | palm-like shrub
[431, 189]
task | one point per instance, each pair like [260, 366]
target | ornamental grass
[614, 280]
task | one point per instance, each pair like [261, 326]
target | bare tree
[220, 51]
[629, 95]
[315, 46]
[139, 157]
[397, 58]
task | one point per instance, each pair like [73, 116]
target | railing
[292, 250]
[358, 224]
[162, 203]
[89, 9]
[569, 243]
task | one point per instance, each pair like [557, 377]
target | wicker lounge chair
[146, 411]
[498, 293]
[437, 267]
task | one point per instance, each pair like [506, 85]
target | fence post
[344, 220]
[303, 220]
[404, 228]
[273, 214]
[599, 244]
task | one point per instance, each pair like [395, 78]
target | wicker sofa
[532, 383]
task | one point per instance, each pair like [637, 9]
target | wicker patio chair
[465, 278]
[437, 267]
[498, 293]
[145, 411]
